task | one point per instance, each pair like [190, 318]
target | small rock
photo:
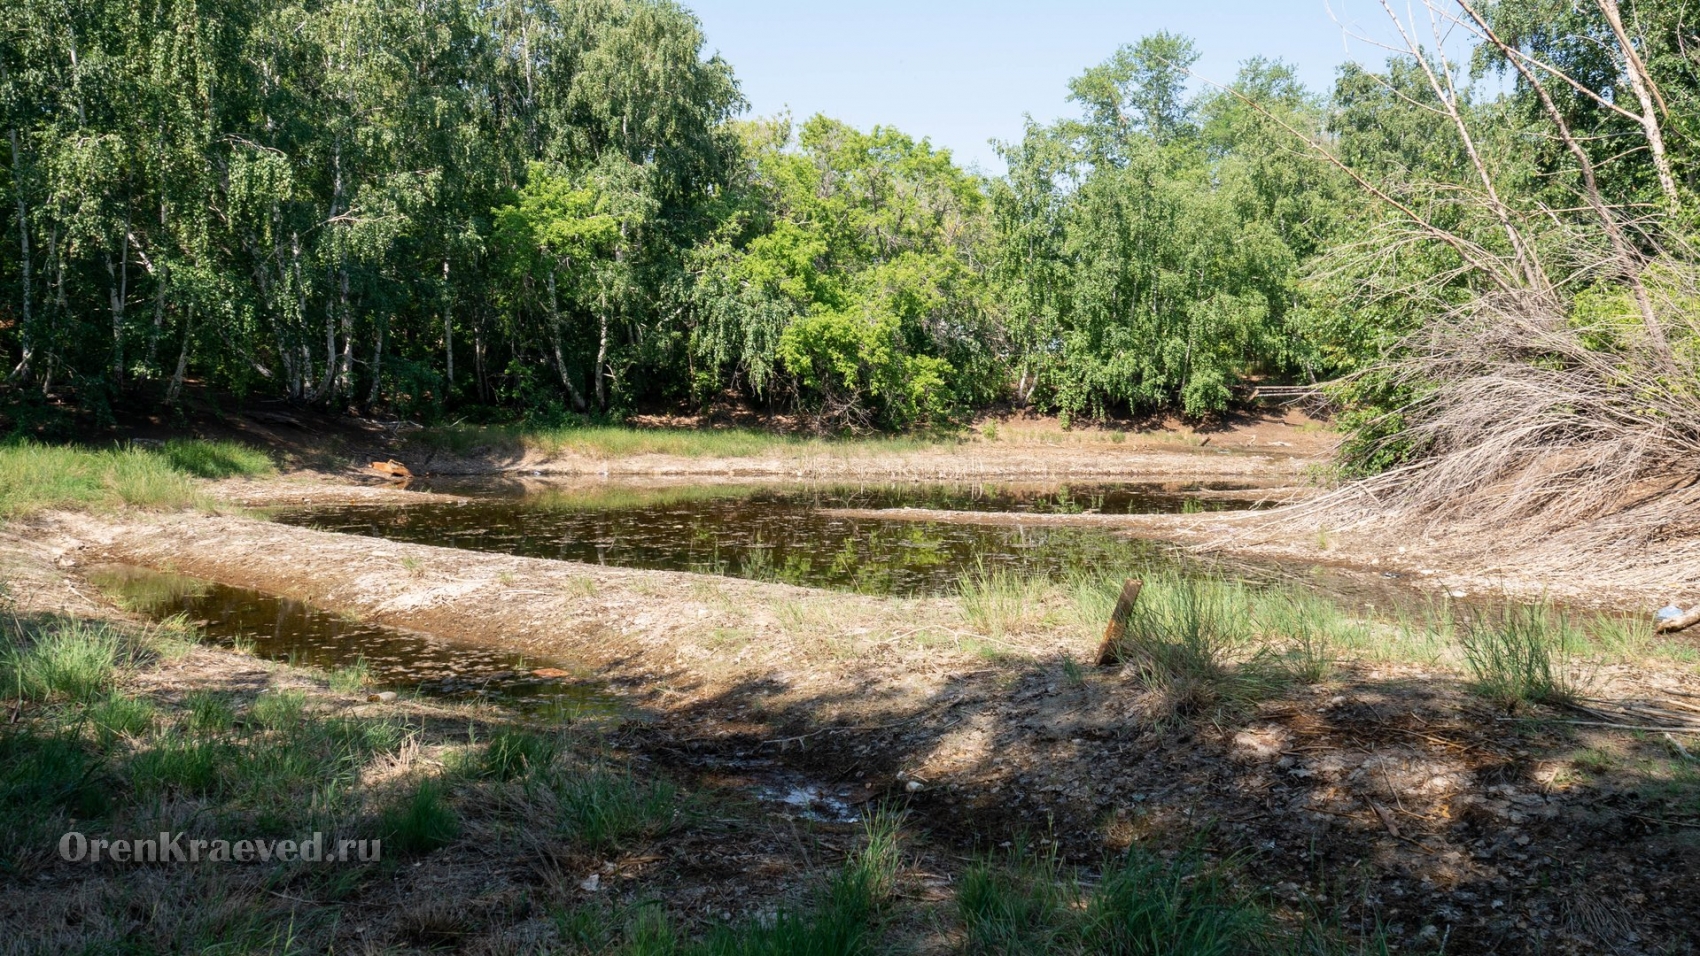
[913, 786]
[591, 883]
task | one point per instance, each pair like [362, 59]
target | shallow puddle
[282, 629]
[778, 533]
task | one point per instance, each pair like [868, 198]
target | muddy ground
[1385, 796]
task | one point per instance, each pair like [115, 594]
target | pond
[784, 533]
[278, 628]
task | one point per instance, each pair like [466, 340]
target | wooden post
[1109, 651]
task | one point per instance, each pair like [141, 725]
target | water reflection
[282, 629]
[777, 533]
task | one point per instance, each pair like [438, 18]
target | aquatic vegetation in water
[789, 535]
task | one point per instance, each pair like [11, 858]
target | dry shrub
[1543, 421]
[1559, 437]
[1556, 371]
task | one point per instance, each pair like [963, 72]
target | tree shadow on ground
[1399, 804]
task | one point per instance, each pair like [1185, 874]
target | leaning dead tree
[1530, 416]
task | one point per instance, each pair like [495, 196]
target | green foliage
[42, 773]
[1014, 906]
[279, 709]
[551, 208]
[215, 459]
[1150, 251]
[182, 762]
[846, 278]
[607, 441]
[298, 200]
[997, 600]
[209, 711]
[1183, 633]
[351, 679]
[117, 715]
[1149, 906]
[1314, 628]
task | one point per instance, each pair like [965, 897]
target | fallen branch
[1679, 747]
[1679, 623]
[1605, 723]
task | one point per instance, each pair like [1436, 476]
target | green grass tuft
[1015, 906]
[216, 459]
[177, 762]
[1149, 906]
[279, 709]
[209, 711]
[1308, 631]
[117, 715]
[422, 822]
[602, 808]
[42, 772]
[1142, 905]
[351, 679]
[1194, 638]
[998, 600]
[516, 753]
[1520, 656]
[71, 660]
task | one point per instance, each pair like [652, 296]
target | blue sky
[964, 72]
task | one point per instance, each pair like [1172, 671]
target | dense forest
[558, 207]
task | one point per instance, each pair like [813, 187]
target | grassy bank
[618, 441]
[35, 477]
[1213, 640]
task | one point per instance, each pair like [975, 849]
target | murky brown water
[282, 629]
[778, 533]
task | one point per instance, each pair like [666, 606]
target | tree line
[552, 208]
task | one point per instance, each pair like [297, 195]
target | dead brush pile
[1560, 442]
[1556, 426]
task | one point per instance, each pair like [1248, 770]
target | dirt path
[1382, 796]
